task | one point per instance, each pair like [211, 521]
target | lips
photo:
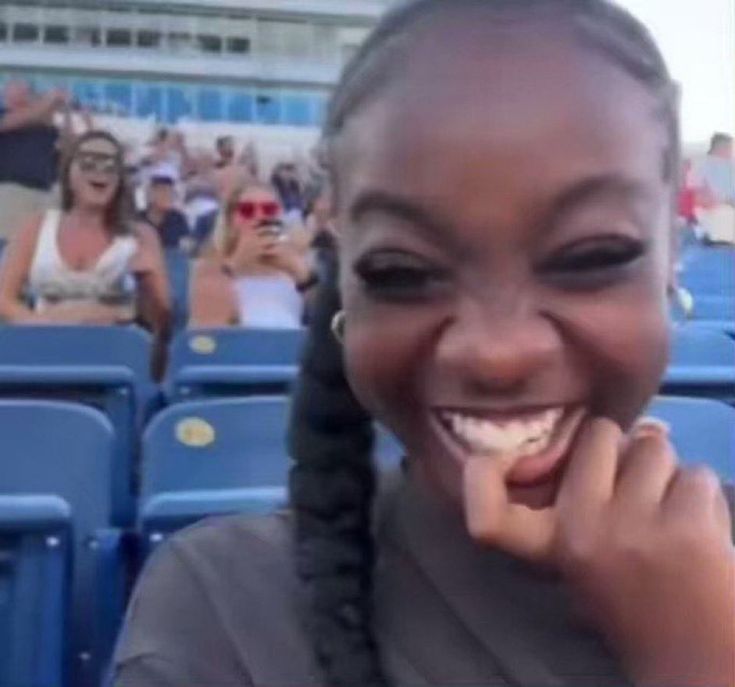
[531, 444]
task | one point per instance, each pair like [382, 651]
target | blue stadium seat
[702, 364]
[709, 271]
[35, 572]
[219, 456]
[105, 367]
[713, 308]
[702, 430]
[177, 266]
[233, 362]
[65, 451]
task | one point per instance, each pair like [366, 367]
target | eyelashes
[595, 264]
[395, 275]
[398, 275]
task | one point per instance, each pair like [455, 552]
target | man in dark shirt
[30, 144]
[170, 223]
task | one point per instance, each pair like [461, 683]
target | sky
[697, 38]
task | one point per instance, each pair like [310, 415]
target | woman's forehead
[257, 193]
[98, 146]
[488, 120]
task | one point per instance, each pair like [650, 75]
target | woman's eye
[596, 257]
[398, 276]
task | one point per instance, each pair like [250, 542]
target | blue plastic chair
[702, 364]
[213, 457]
[65, 451]
[709, 271]
[702, 430]
[713, 308]
[177, 266]
[104, 367]
[233, 362]
[35, 572]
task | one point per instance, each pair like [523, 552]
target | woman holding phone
[255, 274]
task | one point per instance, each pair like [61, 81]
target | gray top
[220, 606]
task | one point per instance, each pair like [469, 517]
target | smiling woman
[505, 186]
[87, 262]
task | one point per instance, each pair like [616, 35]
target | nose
[498, 346]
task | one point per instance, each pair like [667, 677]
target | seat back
[713, 308]
[105, 367]
[697, 346]
[127, 347]
[216, 444]
[35, 570]
[233, 362]
[702, 430]
[709, 271]
[212, 457]
[65, 450]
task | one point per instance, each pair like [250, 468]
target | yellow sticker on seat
[202, 344]
[195, 432]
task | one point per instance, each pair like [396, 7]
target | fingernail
[652, 424]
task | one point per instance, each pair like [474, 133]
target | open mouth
[531, 445]
[99, 185]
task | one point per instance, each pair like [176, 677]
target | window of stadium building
[56, 35]
[148, 39]
[25, 33]
[119, 38]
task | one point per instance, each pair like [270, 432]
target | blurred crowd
[89, 224]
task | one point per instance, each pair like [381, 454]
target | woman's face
[506, 248]
[95, 173]
[257, 206]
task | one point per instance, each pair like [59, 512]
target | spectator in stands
[230, 173]
[202, 200]
[715, 184]
[30, 143]
[225, 146]
[162, 215]
[285, 180]
[255, 276]
[321, 227]
[504, 174]
[88, 263]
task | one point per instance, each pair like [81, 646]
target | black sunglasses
[99, 163]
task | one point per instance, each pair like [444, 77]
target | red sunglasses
[248, 209]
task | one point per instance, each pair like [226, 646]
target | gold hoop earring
[338, 326]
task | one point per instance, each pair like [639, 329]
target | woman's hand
[253, 247]
[645, 545]
[289, 258]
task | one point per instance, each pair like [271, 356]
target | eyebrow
[375, 201]
[599, 186]
[433, 223]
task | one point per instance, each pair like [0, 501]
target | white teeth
[512, 439]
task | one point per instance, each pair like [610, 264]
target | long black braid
[332, 482]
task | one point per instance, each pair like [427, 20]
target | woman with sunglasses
[255, 275]
[88, 262]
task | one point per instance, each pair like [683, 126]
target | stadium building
[259, 63]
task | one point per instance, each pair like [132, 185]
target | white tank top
[268, 301]
[51, 280]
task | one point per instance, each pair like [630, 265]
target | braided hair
[332, 481]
